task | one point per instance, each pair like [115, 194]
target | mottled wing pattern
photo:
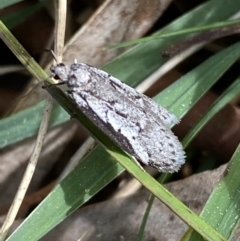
[144, 102]
[132, 120]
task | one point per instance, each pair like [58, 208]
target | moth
[132, 120]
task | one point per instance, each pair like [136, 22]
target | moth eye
[61, 64]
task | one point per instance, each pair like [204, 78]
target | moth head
[60, 72]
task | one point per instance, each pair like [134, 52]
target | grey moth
[132, 120]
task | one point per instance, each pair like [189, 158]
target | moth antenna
[54, 55]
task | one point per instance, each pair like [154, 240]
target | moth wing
[138, 99]
[135, 122]
[135, 131]
[144, 102]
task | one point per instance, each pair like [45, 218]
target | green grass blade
[222, 207]
[142, 60]
[26, 122]
[198, 81]
[20, 15]
[230, 93]
[6, 3]
[198, 29]
[189, 85]
[75, 189]
[164, 178]
[81, 184]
